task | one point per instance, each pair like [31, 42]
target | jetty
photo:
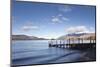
[79, 43]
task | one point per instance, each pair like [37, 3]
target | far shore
[26, 39]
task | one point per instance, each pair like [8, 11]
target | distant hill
[85, 36]
[26, 37]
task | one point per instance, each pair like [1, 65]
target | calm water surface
[27, 52]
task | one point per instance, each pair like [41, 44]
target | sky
[51, 20]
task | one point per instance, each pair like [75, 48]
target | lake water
[26, 52]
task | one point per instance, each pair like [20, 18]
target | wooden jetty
[76, 44]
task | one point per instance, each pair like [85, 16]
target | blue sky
[51, 20]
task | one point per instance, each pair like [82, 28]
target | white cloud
[28, 28]
[59, 19]
[64, 8]
[78, 29]
[56, 20]
[65, 19]
[60, 15]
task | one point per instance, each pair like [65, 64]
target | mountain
[88, 35]
[26, 37]
[85, 36]
[77, 35]
[72, 35]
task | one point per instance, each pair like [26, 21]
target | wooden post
[60, 41]
[73, 41]
[69, 40]
[63, 42]
[78, 40]
[82, 40]
[90, 39]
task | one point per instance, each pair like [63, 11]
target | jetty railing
[73, 43]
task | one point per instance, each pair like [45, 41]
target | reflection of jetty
[71, 43]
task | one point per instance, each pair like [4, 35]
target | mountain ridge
[77, 35]
[63, 37]
[26, 37]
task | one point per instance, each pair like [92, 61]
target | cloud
[28, 28]
[64, 8]
[60, 15]
[59, 19]
[56, 20]
[64, 18]
[78, 29]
